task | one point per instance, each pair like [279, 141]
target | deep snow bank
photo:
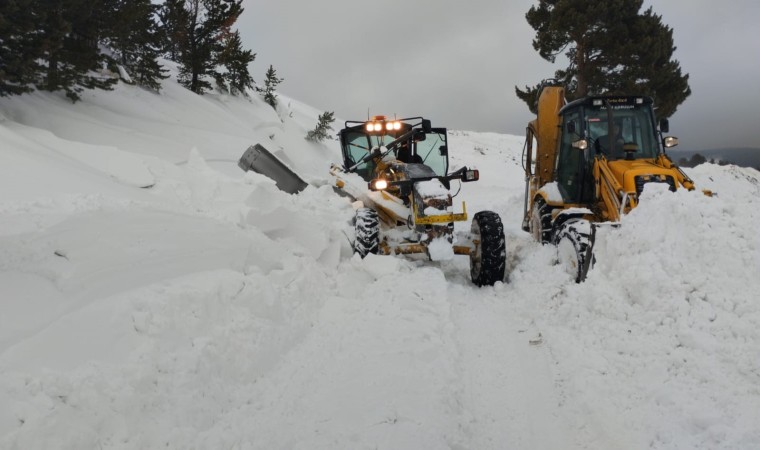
[153, 295]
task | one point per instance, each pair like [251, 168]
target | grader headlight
[378, 184]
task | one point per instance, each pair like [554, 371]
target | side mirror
[670, 141]
[470, 175]
[426, 127]
[571, 127]
[664, 125]
[443, 150]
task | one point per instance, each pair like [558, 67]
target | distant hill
[744, 157]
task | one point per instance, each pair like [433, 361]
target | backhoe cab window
[572, 164]
[634, 127]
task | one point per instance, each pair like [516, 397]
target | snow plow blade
[260, 160]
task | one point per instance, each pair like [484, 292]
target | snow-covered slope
[152, 295]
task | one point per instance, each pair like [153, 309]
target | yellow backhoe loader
[586, 162]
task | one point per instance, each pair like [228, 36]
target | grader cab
[399, 170]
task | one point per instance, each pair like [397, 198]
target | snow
[155, 296]
[440, 249]
[431, 189]
[551, 190]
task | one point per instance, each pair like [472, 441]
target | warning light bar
[379, 124]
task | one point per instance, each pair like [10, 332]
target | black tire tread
[545, 212]
[367, 229]
[582, 242]
[492, 250]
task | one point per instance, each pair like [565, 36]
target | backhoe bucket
[260, 160]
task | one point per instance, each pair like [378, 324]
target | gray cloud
[457, 62]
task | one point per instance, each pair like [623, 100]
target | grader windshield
[407, 142]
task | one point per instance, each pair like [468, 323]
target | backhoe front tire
[541, 221]
[575, 247]
[488, 259]
[367, 229]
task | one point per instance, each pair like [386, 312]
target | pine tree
[20, 48]
[70, 31]
[208, 22]
[236, 78]
[697, 159]
[134, 36]
[320, 132]
[174, 20]
[611, 49]
[270, 84]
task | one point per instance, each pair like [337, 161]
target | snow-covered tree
[19, 48]
[320, 132]
[236, 78]
[69, 33]
[270, 83]
[135, 38]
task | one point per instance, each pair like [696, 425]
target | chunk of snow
[440, 249]
[551, 190]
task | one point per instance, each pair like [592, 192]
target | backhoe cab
[587, 162]
[404, 184]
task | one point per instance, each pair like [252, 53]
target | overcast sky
[457, 62]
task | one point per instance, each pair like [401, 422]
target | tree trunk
[580, 63]
[193, 47]
[52, 72]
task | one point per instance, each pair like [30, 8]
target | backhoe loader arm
[681, 177]
[616, 201]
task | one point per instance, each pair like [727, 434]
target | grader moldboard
[398, 169]
[586, 163]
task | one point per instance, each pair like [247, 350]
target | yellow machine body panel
[546, 129]
[574, 159]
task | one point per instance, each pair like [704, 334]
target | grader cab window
[433, 151]
[357, 144]
[428, 147]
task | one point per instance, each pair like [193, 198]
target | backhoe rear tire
[367, 229]
[575, 247]
[488, 259]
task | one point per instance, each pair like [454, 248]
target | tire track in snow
[508, 382]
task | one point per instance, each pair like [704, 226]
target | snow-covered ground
[152, 295]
